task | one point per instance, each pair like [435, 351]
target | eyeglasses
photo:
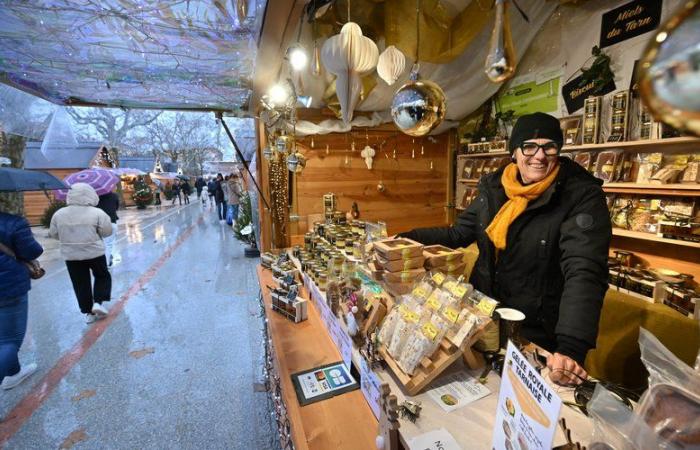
[531, 148]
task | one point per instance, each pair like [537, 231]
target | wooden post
[388, 420]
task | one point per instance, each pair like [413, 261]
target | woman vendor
[543, 232]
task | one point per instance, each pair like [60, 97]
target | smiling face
[535, 168]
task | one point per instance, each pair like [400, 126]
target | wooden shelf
[468, 180]
[652, 237]
[476, 155]
[687, 190]
[649, 144]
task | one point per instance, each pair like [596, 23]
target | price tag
[412, 317]
[452, 314]
[403, 310]
[433, 303]
[450, 285]
[487, 306]
[438, 277]
[459, 290]
[419, 292]
[430, 331]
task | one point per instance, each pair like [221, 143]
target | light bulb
[298, 58]
[278, 95]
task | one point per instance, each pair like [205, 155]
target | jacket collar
[569, 172]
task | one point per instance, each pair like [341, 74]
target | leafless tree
[113, 126]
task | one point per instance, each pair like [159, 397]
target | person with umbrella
[81, 227]
[17, 247]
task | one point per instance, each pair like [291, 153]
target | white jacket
[80, 226]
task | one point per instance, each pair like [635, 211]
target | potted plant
[243, 229]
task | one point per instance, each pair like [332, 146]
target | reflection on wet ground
[175, 365]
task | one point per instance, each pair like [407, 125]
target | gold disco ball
[418, 107]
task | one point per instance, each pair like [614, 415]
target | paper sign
[528, 408]
[341, 340]
[457, 390]
[439, 439]
[371, 387]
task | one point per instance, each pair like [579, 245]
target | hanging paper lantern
[500, 60]
[348, 56]
[391, 65]
[418, 107]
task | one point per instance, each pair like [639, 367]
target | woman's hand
[564, 370]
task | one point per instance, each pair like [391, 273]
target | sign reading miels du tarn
[629, 20]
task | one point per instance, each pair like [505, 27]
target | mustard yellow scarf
[518, 198]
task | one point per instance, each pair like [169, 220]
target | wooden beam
[280, 23]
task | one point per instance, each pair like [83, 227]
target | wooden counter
[471, 425]
[342, 422]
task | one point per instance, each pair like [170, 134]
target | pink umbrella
[102, 180]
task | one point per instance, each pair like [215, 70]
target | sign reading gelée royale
[629, 20]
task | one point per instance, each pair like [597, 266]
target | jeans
[79, 272]
[221, 209]
[109, 242]
[13, 326]
[235, 212]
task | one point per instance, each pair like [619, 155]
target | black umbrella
[15, 180]
[184, 177]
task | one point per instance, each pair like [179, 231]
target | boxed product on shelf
[405, 276]
[467, 169]
[691, 174]
[606, 164]
[649, 164]
[478, 168]
[439, 255]
[398, 265]
[584, 159]
[400, 248]
[289, 304]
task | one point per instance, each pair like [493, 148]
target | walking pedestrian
[18, 245]
[109, 203]
[235, 190]
[176, 191]
[220, 197]
[199, 185]
[80, 227]
[186, 191]
[211, 190]
[158, 189]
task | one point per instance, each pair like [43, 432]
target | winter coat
[80, 226]
[234, 192]
[226, 189]
[109, 203]
[554, 266]
[14, 276]
[211, 187]
[186, 188]
[219, 194]
[199, 184]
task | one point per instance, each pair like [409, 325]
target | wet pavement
[176, 364]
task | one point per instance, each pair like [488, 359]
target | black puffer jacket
[554, 266]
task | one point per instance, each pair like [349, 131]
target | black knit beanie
[535, 126]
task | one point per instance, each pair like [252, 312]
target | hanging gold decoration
[500, 60]
[242, 9]
[316, 62]
[296, 162]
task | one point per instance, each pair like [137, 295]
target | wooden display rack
[430, 368]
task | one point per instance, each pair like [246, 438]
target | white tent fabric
[463, 80]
